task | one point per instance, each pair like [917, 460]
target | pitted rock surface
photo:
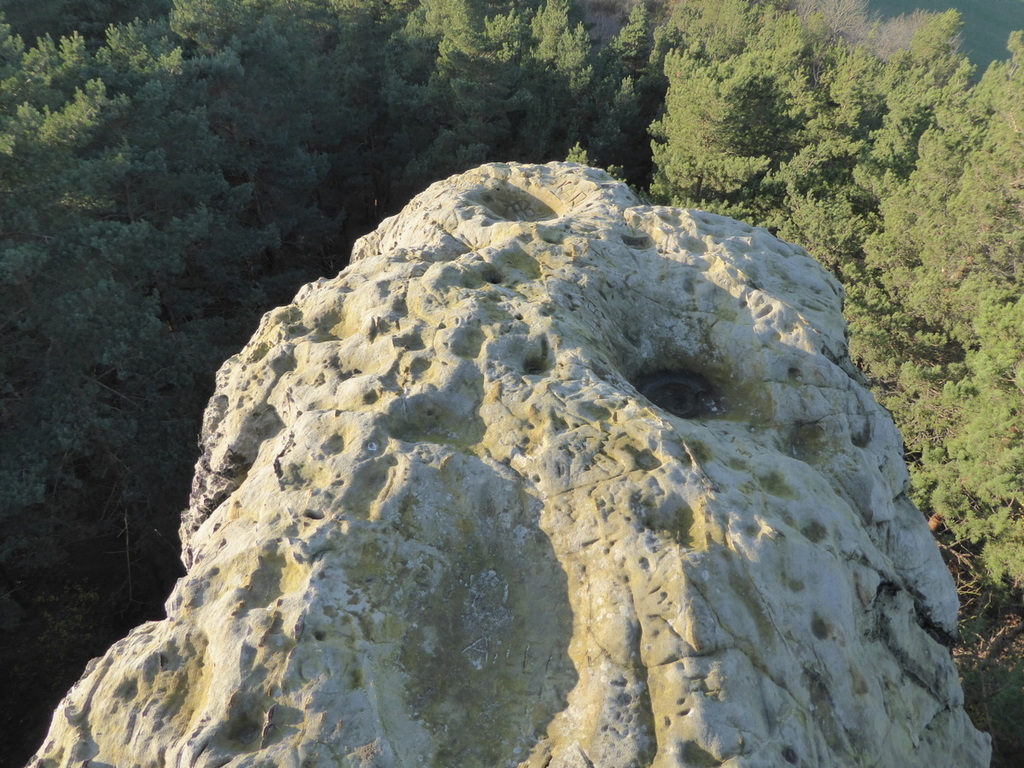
[546, 478]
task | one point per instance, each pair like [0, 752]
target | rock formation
[546, 478]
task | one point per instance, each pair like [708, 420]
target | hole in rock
[538, 359]
[861, 433]
[640, 242]
[491, 274]
[685, 394]
[419, 366]
[514, 204]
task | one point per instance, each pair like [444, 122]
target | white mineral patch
[546, 478]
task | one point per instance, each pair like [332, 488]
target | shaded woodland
[171, 169]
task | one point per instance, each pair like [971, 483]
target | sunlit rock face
[546, 478]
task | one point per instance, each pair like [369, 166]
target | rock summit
[546, 478]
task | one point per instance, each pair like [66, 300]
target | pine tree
[731, 122]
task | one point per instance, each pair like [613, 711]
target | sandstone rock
[545, 478]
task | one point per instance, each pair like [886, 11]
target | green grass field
[987, 23]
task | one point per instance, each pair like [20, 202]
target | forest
[172, 169]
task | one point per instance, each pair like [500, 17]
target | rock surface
[545, 478]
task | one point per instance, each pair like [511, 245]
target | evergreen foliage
[170, 170]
